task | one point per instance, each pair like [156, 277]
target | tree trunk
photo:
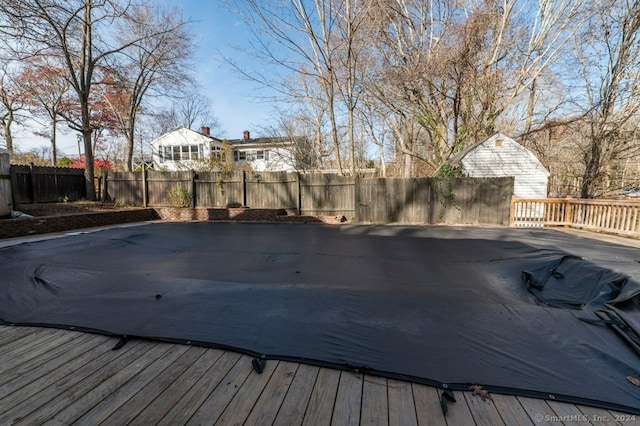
[6, 127]
[8, 137]
[54, 125]
[383, 165]
[334, 126]
[130, 145]
[592, 171]
[89, 166]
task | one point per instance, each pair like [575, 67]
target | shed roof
[458, 158]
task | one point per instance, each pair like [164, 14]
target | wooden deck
[63, 377]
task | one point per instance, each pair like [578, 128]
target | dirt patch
[63, 209]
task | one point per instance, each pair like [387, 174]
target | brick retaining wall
[239, 214]
[21, 227]
[173, 214]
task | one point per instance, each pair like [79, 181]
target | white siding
[510, 159]
[279, 157]
[181, 137]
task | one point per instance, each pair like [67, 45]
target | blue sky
[234, 100]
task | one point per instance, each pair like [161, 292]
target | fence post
[356, 198]
[14, 187]
[145, 194]
[298, 195]
[244, 188]
[32, 175]
[194, 176]
[105, 190]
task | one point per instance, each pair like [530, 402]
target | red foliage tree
[98, 165]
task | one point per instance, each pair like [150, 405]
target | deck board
[245, 398]
[483, 410]
[266, 409]
[217, 402]
[459, 412]
[200, 392]
[62, 377]
[511, 411]
[296, 401]
[346, 410]
[34, 367]
[375, 401]
[97, 383]
[402, 409]
[427, 402]
[154, 389]
[323, 398]
[53, 388]
[134, 380]
[160, 407]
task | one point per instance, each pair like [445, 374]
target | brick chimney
[205, 131]
[246, 135]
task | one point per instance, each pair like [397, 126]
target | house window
[251, 155]
[181, 152]
[216, 152]
[499, 142]
[194, 154]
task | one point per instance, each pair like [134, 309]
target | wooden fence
[612, 216]
[431, 200]
[423, 200]
[35, 184]
[6, 197]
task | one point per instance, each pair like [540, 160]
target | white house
[272, 154]
[185, 149]
[501, 156]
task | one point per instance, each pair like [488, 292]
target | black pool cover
[525, 312]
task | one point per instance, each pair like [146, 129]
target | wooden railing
[613, 216]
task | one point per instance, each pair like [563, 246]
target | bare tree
[297, 36]
[11, 103]
[298, 129]
[82, 35]
[609, 57]
[191, 110]
[459, 68]
[45, 88]
[156, 61]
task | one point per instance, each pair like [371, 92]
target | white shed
[501, 156]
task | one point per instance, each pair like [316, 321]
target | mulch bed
[62, 209]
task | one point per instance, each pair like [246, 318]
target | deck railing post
[567, 220]
[512, 211]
